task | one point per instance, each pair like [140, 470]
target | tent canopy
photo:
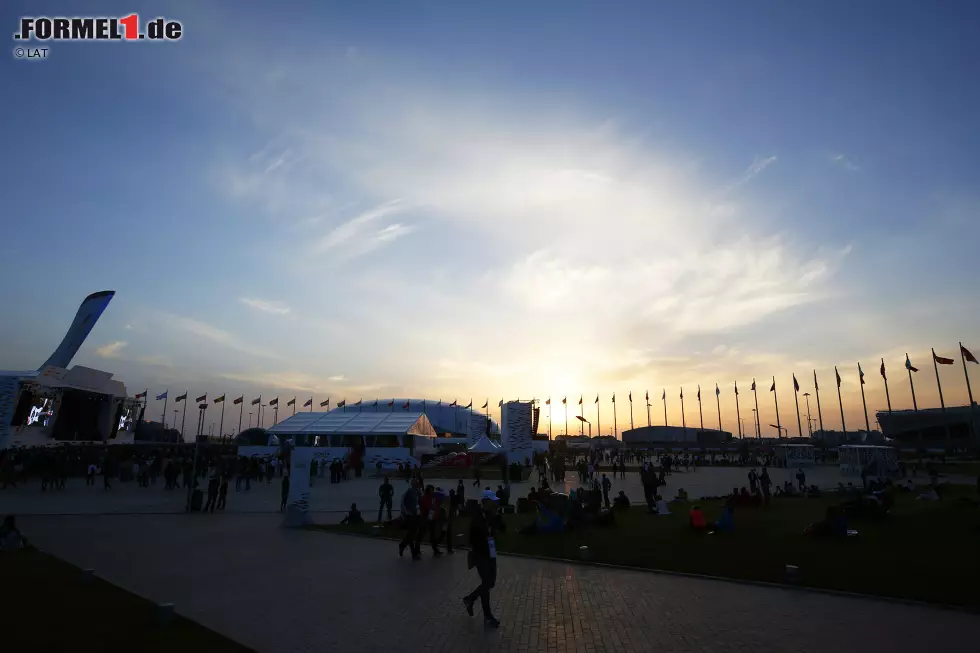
[485, 445]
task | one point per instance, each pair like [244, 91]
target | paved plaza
[330, 501]
[295, 591]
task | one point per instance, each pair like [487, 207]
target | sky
[504, 200]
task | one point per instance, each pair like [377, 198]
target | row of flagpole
[965, 355]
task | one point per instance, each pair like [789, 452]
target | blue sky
[501, 199]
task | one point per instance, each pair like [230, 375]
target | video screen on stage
[33, 410]
[126, 420]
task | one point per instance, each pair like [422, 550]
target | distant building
[956, 427]
[830, 438]
[645, 436]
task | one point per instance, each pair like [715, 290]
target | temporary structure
[485, 445]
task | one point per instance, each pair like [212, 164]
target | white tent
[485, 445]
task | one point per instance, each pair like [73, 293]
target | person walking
[223, 493]
[410, 522]
[213, 483]
[606, 486]
[385, 492]
[483, 556]
[284, 493]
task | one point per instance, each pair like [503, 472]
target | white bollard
[584, 553]
[792, 573]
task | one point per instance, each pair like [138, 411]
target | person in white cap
[483, 556]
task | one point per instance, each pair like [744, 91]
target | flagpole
[843, 424]
[221, 424]
[966, 373]
[581, 412]
[738, 414]
[615, 424]
[758, 421]
[816, 390]
[969, 392]
[183, 417]
[294, 405]
[598, 417]
[718, 401]
[809, 422]
[915, 406]
[550, 408]
[700, 411]
[939, 385]
[888, 397]
[775, 398]
[796, 398]
[867, 424]
[631, 403]
[241, 411]
[683, 414]
[164, 418]
[565, 404]
[664, 397]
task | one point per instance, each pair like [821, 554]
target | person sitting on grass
[834, 524]
[353, 517]
[726, 524]
[681, 496]
[697, 520]
[660, 506]
[621, 502]
[10, 537]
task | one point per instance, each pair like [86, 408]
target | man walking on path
[385, 492]
[410, 517]
[483, 556]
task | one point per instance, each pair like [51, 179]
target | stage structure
[55, 404]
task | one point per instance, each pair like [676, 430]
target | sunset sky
[453, 200]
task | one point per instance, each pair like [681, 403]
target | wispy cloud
[215, 335]
[337, 378]
[272, 307]
[753, 171]
[111, 350]
[350, 237]
[844, 162]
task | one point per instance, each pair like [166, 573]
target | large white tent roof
[398, 423]
[484, 445]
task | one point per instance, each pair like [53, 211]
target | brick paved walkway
[297, 591]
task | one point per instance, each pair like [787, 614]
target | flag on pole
[358, 402]
[391, 404]
[564, 400]
[838, 376]
[501, 404]
[631, 397]
[239, 400]
[488, 403]
[796, 384]
[963, 350]
[219, 400]
[596, 399]
[941, 360]
[717, 390]
[614, 398]
[469, 405]
[580, 400]
[308, 402]
[909, 366]
[181, 398]
[452, 404]
[699, 393]
[736, 388]
[325, 403]
[291, 402]
[406, 406]
[861, 373]
[342, 403]
[255, 401]
[162, 396]
[753, 386]
[274, 402]
[882, 370]
[141, 395]
[682, 393]
[203, 397]
[773, 388]
[375, 404]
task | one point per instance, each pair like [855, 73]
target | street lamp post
[808, 424]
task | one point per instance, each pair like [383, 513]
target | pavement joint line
[687, 574]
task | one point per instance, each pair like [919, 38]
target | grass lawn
[48, 608]
[923, 551]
